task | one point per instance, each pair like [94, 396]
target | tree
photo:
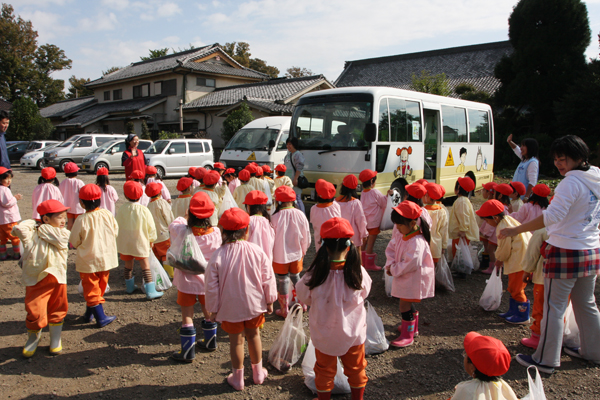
[466, 91]
[130, 128]
[434, 84]
[110, 70]
[155, 54]
[297, 72]
[78, 88]
[236, 121]
[261, 66]
[145, 131]
[240, 52]
[26, 123]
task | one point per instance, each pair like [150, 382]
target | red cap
[284, 194]
[153, 189]
[229, 171]
[505, 189]
[336, 228]
[281, 167]
[490, 208]
[490, 186]
[90, 191]
[184, 183]
[422, 182]
[519, 187]
[199, 173]
[256, 197]
[244, 175]
[266, 169]
[350, 181]
[325, 190]
[3, 170]
[137, 174]
[409, 209]
[466, 183]
[48, 173]
[234, 219]
[211, 178]
[488, 354]
[541, 190]
[416, 190]
[435, 191]
[201, 205]
[366, 175]
[102, 171]
[150, 170]
[259, 171]
[70, 168]
[51, 206]
[219, 165]
[191, 171]
[251, 168]
[133, 190]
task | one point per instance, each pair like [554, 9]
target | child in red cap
[46, 189]
[416, 192]
[486, 360]
[231, 179]
[181, 204]
[324, 210]
[44, 273]
[282, 179]
[487, 232]
[240, 192]
[199, 177]
[163, 216]
[462, 222]
[70, 192]
[152, 176]
[336, 287]
[261, 231]
[94, 235]
[9, 214]
[535, 205]
[109, 197]
[240, 288]
[211, 179]
[138, 176]
[439, 219]
[410, 262]
[515, 198]
[352, 210]
[374, 204]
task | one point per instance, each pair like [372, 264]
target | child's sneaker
[527, 361]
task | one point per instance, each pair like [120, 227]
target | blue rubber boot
[188, 345]
[130, 285]
[89, 315]
[151, 292]
[209, 343]
[512, 309]
[101, 319]
[521, 317]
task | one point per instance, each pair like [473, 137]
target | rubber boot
[130, 285]
[236, 379]
[209, 329]
[16, 253]
[532, 341]
[323, 395]
[169, 270]
[363, 257]
[512, 309]
[357, 393]
[370, 263]
[416, 317]
[259, 373]
[407, 336]
[55, 342]
[485, 263]
[151, 292]
[188, 345]
[521, 316]
[3, 255]
[32, 342]
[284, 301]
[89, 315]
[101, 319]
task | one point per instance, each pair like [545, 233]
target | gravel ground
[129, 358]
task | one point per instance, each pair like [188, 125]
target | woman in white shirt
[528, 170]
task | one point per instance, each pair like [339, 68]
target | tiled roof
[184, 59]
[467, 64]
[274, 90]
[5, 105]
[102, 110]
[66, 107]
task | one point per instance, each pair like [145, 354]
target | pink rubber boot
[259, 373]
[416, 316]
[370, 263]
[407, 337]
[532, 341]
[236, 379]
[284, 301]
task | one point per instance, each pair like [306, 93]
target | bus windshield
[332, 126]
[253, 139]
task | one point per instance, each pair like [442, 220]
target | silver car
[109, 156]
[173, 157]
[35, 158]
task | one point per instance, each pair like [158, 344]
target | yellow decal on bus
[449, 159]
[252, 157]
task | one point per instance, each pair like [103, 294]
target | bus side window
[405, 120]
[454, 121]
[384, 121]
[479, 126]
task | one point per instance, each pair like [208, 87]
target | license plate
[83, 166]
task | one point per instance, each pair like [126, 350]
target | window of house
[117, 94]
[157, 88]
[207, 82]
[195, 147]
[169, 88]
[479, 126]
[141, 90]
[107, 95]
[454, 120]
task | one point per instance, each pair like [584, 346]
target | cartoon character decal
[403, 169]
[480, 161]
[463, 157]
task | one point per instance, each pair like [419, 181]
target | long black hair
[196, 222]
[399, 219]
[539, 200]
[321, 265]
[502, 198]
[232, 236]
[533, 148]
[102, 181]
[471, 175]
[261, 209]
[347, 193]
[461, 191]
[279, 205]
[418, 202]
[54, 181]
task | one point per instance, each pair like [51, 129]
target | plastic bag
[462, 261]
[392, 201]
[340, 382]
[159, 275]
[289, 344]
[376, 342]
[388, 283]
[227, 203]
[571, 331]
[80, 288]
[492, 294]
[474, 251]
[443, 276]
[185, 253]
[536, 388]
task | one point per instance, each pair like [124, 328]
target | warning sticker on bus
[449, 159]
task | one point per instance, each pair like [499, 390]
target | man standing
[4, 121]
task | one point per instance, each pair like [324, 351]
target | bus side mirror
[370, 132]
[271, 145]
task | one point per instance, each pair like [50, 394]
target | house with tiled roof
[466, 64]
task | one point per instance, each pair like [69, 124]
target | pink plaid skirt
[569, 264]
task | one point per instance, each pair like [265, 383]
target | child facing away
[94, 235]
[487, 234]
[231, 179]
[46, 189]
[9, 215]
[211, 178]
[374, 204]
[260, 230]
[181, 204]
[292, 229]
[282, 179]
[191, 174]
[439, 220]
[163, 216]
[336, 286]
[69, 188]
[416, 192]
[462, 222]
[199, 178]
[511, 254]
[109, 196]
[240, 288]
[190, 286]
[137, 232]
[152, 176]
[240, 192]
[324, 210]
[352, 210]
[515, 198]
[138, 176]
[45, 251]
[486, 360]
[410, 262]
[536, 204]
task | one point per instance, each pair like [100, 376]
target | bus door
[433, 141]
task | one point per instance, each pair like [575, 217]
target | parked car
[40, 144]
[35, 159]
[173, 157]
[109, 156]
[75, 148]
[16, 151]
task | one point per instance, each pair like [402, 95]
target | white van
[174, 157]
[75, 148]
[109, 156]
[261, 141]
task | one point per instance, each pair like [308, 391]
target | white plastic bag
[462, 261]
[80, 288]
[159, 275]
[474, 251]
[289, 344]
[492, 294]
[571, 331]
[388, 283]
[443, 276]
[227, 203]
[185, 253]
[536, 388]
[376, 342]
[392, 201]
[340, 382]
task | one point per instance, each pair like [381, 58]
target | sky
[316, 34]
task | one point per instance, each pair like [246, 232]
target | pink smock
[164, 192]
[262, 234]
[233, 184]
[108, 199]
[293, 234]
[69, 188]
[321, 213]
[43, 192]
[373, 203]
[527, 212]
[352, 211]
[9, 210]
[240, 282]
[337, 316]
[144, 200]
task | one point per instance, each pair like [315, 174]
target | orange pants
[455, 245]
[45, 302]
[295, 267]
[160, 249]
[516, 286]
[6, 236]
[238, 327]
[538, 308]
[94, 286]
[354, 368]
[188, 300]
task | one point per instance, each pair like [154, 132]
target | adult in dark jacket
[133, 158]
[4, 121]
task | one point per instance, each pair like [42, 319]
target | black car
[16, 151]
